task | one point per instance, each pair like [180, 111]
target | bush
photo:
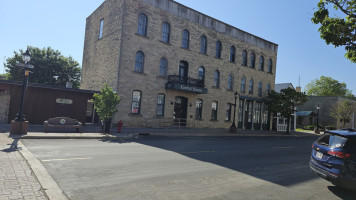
[310, 127]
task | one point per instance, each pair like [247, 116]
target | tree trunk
[343, 123]
[104, 124]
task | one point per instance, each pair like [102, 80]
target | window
[139, 61]
[230, 82]
[101, 28]
[201, 73]
[253, 60]
[232, 54]
[185, 39]
[136, 102]
[214, 110]
[203, 44]
[160, 105]
[268, 87]
[260, 88]
[218, 49]
[163, 67]
[241, 110]
[257, 115]
[243, 84]
[216, 78]
[244, 58]
[142, 25]
[250, 86]
[269, 70]
[262, 63]
[265, 114]
[165, 32]
[228, 112]
[249, 112]
[198, 109]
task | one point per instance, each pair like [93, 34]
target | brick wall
[4, 107]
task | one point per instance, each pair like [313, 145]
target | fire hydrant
[119, 126]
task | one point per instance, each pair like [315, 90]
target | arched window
[244, 58]
[230, 82]
[163, 67]
[142, 25]
[214, 110]
[216, 78]
[166, 31]
[201, 73]
[218, 49]
[268, 87]
[250, 86]
[136, 102]
[243, 84]
[232, 54]
[203, 44]
[262, 63]
[185, 39]
[253, 60]
[269, 66]
[260, 88]
[139, 61]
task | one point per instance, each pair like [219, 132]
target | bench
[62, 122]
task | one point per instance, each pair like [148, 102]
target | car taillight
[340, 154]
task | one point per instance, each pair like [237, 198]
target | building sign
[64, 101]
[187, 88]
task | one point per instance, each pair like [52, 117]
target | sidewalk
[16, 177]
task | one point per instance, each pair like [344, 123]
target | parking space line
[61, 159]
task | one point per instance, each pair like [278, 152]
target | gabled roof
[279, 86]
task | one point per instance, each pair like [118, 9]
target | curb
[107, 137]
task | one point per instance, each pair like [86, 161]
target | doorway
[180, 111]
[183, 71]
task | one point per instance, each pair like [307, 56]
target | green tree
[342, 111]
[327, 86]
[105, 103]
[285, 101]
[338, 31]
[48, 65]
[4, 76]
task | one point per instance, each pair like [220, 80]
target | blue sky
[301, 52]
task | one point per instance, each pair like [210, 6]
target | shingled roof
[279, 86]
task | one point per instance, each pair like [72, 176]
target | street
[155, 167]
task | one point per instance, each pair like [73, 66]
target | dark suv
[333, 157]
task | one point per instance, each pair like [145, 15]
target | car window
[332, 141]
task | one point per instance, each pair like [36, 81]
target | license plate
[319, 155]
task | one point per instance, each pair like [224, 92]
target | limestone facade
[110, 56]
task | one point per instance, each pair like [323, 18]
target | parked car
[333, 157]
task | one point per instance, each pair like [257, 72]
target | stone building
[169, 62]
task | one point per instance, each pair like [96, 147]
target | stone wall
[4, 107]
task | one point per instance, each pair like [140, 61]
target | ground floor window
[265, 114]
[160, 105]
[214, 110]
[241, 109]
[257, 115]
[228, 112]
[199, 109]
[249, 107]
[136, 102]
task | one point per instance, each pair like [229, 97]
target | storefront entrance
[180, 110]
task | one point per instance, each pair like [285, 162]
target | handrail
[185, 80]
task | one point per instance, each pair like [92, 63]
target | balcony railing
[186, 84]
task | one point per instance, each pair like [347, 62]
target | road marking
[49, 160]
[291, 147]
[192, 152]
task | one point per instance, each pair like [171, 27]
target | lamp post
[18, 126]
[317, 120]
[233, 128]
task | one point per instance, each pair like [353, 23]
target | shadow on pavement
[280, 160]
[13, 146]
[343, 193]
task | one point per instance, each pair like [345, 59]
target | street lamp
[233, 128]
[317, 120]
[19, 126]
